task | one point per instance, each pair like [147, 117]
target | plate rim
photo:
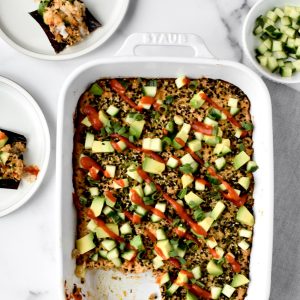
[124, 4]
[43, 122]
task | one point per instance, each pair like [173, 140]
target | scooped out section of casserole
[162, 174]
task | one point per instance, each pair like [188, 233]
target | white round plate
[23, 33]
[21, 114]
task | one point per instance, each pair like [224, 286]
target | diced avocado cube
[218, 209]
[244, 216]
[234, 110]
[96, 89]
[85, 243]
[120, 183]
[241, 159]
[94, 191]
[109, 244]
[228, 290]
[196, 272]
[104, 118]
[125, 229]
[101, 233]
[211, 242]
[220, 163]
[132, 173]
[150, 91]
[214, 269]
[164, 278]
[172, 162]
[102, 147]
[233, 102]
[149, 188]
[186, 180]
[128, 255]
[172, 289]
[117, 262]
[209, 121]
[181, 81]
[136, 128]
[138, 189]
[193, 200]
[4, 157]
[103, 253]
[97, 205]
[243, 245]
[178, 120]
[239, 280]
[91, 226]
[215, 292]
[86, 122]
[160, 206]
[141, 211]
[165, 247]
[95, 257]
[220, 251]
[206, 223]
[89, 140]
[251, 166]
[195, 145]
[244, 182]
[211, 140]
[107, 209]
[196, 101]
[160, 234]
[112, 110]
[245, 233]
[222, 149]
[198, 135]
[110, 171]
[199, 185]
[153, 166]
[157, 262]
[156, 145]
[137, 243]
[112, 254]
[146, 143]
[190, 296]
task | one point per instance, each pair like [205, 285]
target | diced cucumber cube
[172, 162]
[126, 229]
[112, 110]
[89, 140]
[108, 244]
[228, 290]
[243, 245]
[220, 163]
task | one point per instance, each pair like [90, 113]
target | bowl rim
[258, 67]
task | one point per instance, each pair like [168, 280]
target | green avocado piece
[136, 128]
[153, 166]
[239, 280]
[96, 90]
[244, 216]
[137, 242]
[241, 159]
[214, 269]
[85, 243]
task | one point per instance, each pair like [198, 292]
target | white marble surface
[28, 263]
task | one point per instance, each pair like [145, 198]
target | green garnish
[199, 215]
[169, 100]
[152, 83]
[83, 200]
[148, 200]
[182, 193]
[166, 141]
[247, 126]
[43, 5]
[187, 168]
[96, 90]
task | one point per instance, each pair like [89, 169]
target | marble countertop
[28, 262]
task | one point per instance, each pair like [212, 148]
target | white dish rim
[60, 57]
[44, 125]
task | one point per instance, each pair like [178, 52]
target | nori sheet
[91, 22]
[12, 138]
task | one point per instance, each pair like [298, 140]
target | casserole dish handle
[165, 39]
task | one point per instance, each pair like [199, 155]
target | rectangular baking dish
[111, 285]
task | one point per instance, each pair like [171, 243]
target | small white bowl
[250, 41]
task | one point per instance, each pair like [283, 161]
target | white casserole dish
[127, 64]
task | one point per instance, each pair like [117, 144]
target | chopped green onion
[169, 100]
[247, 126]
[152, 83]
[193, 84]
[166, 141]
[199, 215]
[187, 168]
[83, 200]
[182, 193]
[131, 138]
[181, 260]
[148, 200]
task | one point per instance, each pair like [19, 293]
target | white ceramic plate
[20, 113]
[23, 33]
